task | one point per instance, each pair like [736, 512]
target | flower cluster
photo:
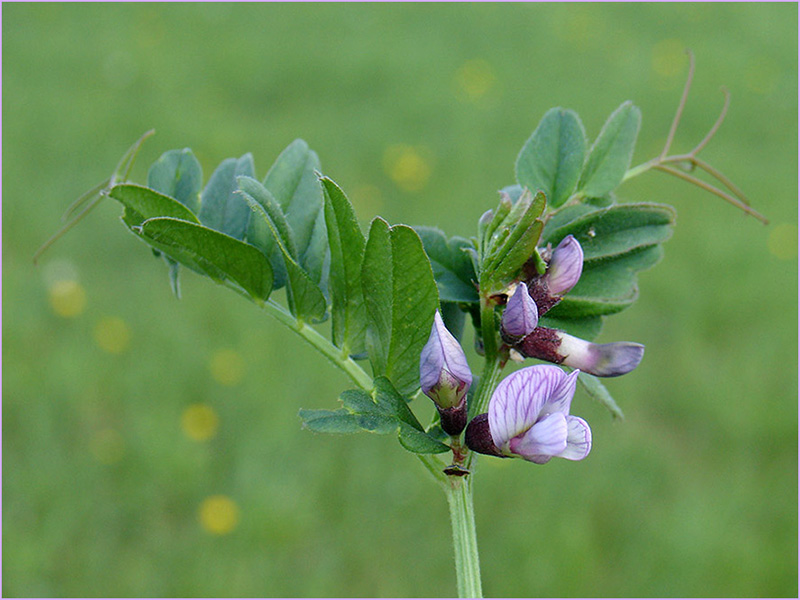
[537, 296]
[528, 413]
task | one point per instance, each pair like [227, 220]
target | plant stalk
[465, 542]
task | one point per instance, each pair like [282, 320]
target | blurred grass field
[151, 447]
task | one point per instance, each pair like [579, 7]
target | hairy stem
[465, 541]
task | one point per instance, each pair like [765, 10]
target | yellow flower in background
[669, 58]
[227, 366]
[474, 79]
[67, 298]
[219, 515]
[199, 422]
[112, 334]
[406, 166]
[782, 241]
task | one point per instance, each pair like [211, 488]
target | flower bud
[520, 316]
[601, 360]
[445, 376]
[565, 268]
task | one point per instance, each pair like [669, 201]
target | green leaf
[401, 298]
[384, 411]
[452, 266]
[305, 299]
[390, 400]
[178, 174]
[330, 421]
[212, 253]
[221, 208]
[612, 151]
[513, 191]
[260, 235]
[420, 442]
[595, 388]
[615, 230]
[607, 287]
[551, 160]
[317, 257]
[293, 182]
[347, 242]
[142, 203]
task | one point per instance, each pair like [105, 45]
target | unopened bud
[445, 376]
[520, 316]
[601, 360]
[563, 272]
[565, 266]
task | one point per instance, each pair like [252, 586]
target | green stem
[457, 489]
[489, 380]
[465, 542]
[318, 341]
[638, 170]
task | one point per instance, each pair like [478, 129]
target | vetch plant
[556, 256]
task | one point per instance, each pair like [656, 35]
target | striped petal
[520, 316]
[546, 438]
[579, 439]
[517, 402]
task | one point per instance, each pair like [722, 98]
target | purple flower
[564, 269]
[520, 316]
[529, 417]
[445, 376]
[602, 360]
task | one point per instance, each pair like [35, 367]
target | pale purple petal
[516, 403]
[565, 267]
[561, 397]
[579, 439]
[548, 437]
[602, 360]
[520, 316]
[444, 373]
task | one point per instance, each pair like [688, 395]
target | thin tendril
[681, 106]
[670, 164]
[93, 196]
[720, 119]
[75, 220]
[710, 188]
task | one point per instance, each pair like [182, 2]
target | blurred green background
[151, 447]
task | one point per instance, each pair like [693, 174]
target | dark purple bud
[454, 419]
[478, 437]
[601, 360]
